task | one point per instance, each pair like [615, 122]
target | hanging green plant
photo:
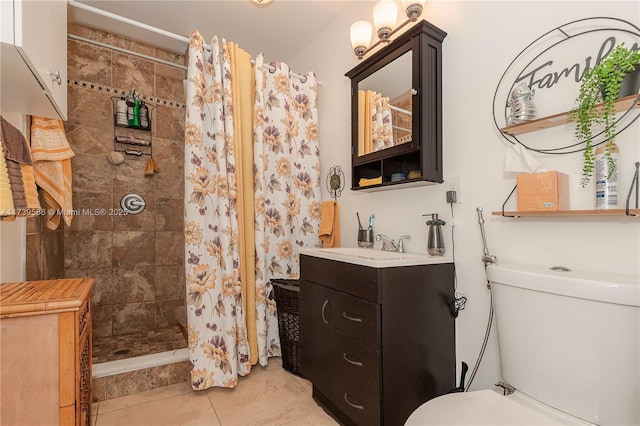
[601, 85]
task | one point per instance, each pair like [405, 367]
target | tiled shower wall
[136, 260]
[45, 250]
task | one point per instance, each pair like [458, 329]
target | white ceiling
[279, 30]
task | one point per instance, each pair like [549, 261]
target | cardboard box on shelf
[543, 191]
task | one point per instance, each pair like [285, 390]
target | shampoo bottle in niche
[607, 176]
[133, 112]
[435, 242]
[136, 112]
[144, 115]
[121, 112]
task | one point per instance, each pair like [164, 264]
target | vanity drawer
[360, 281]
[360, 404]
[355, 317]
[357, 361]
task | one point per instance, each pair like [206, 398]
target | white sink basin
[374, 258]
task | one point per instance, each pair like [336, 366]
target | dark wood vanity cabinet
[376, 342]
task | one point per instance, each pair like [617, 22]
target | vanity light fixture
[385, 15]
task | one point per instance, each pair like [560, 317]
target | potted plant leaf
[601, 85]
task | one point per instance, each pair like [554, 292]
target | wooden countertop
[43, 297]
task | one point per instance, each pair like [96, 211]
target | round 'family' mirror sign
[551, 68]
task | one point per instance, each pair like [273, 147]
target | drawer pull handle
[359, 407]
[324, 318]
[354, 319]
[358, 363]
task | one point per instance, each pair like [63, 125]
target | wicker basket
[287, 296]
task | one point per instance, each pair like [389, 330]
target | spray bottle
[606, 159]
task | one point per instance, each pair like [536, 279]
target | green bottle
[136, 112]
[133, 110]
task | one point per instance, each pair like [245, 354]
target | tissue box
[543, 191]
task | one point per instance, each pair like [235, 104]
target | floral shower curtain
[381, 119]
[217, 328]
[234, 171]
[375, 124]
[287, 185]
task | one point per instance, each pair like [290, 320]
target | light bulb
[360, 37]
[413, 8]
[385, 14]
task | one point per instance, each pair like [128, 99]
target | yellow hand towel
[372, 181]
[329, 230]
[30, 190]
[52, 168]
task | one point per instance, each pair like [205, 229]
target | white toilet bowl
[486, 407]
[569, 344]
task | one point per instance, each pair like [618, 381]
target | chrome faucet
[401, 242]
[389, 245]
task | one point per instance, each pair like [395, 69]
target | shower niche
[396, 113]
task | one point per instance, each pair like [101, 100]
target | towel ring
[335, 182]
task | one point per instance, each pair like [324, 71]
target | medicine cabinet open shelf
[555, 120]
[612, 212]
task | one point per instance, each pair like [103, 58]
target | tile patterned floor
[268, 396]
[112, 348]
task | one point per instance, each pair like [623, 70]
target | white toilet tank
[570, 339]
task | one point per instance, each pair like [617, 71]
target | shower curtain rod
[403, 111]
[152, 29]
[121, 50]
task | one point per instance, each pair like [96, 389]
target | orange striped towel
[51, 156]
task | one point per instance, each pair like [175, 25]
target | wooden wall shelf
[622, 104]
[612, 212]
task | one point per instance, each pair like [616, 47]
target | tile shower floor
[267, 396]
[112, 348]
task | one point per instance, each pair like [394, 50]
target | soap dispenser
[435, 242]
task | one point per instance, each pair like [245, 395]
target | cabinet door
[29, 369]
[316, 335]
[33, 21]
[58, 36]
[34, 59]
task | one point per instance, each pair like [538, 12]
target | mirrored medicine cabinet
[396, 112]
